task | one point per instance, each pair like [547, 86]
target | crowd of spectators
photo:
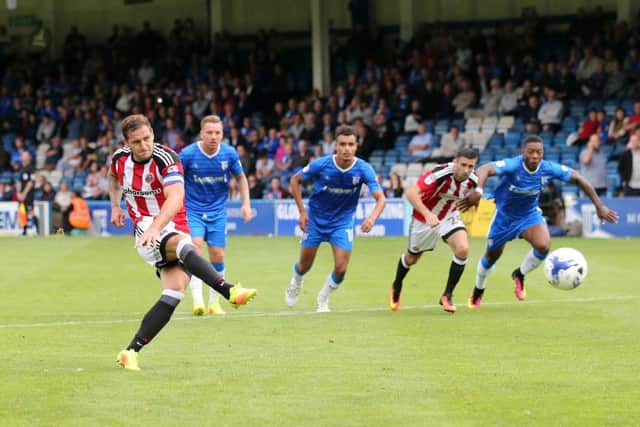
[67, 112]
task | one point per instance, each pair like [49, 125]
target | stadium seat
[473, 124]
[504, 124]
[400, 169]
[414, 170]
[489, 125]
[512, 139]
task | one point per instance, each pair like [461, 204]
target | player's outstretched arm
[483, 173]
[115, 195]
[243, 185]
[296, 193]
[604, 213]
[381, 202]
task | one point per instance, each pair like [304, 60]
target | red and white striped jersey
[441, 191]
[143, 183]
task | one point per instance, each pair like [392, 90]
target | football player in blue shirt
[337, 183]
[517, 213]
[208, 164]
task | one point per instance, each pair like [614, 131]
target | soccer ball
[565, 268]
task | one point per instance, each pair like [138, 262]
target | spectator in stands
[633, 121]
[550, 114]
[264, 166]
[617, 132]
[46, 193]
[384, 132]
[79, 215]
[509, 100]
[92, 189]
[491, 100]
[16, 153]
[594, 86]
[46, 129]
[275, 191]
[256, 188]
[53, 154]
[530, 111]
[7, 191]
[465, 99]
[588, 65]
[420, 146]
[328, 144]
[451, 142]
[234, 191]
[395, 189]
[414, 117]
[296, 127]
[245, 158]
[629, 167]
[447, 108]
[302, 157]
[615, 84]
[603, 125]
[5, 159]
[284, 159]
[589, 127]
[593, 165]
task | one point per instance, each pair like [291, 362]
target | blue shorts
[341, 236]
[504, 228]
[211, 230]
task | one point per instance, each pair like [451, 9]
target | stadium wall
[95, 18]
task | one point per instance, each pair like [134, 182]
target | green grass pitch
[68, 305]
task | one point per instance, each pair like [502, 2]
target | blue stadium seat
[560, 138]
[569, 125]
[627, 104]
[512, 139]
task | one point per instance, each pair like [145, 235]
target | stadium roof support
[320, 47]
[408, 19]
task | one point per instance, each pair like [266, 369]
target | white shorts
[152, 254]
[423, 237]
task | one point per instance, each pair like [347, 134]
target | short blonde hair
[209, 119]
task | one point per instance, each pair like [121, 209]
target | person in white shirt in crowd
[550, 114]
[420, 146]
[509, 100]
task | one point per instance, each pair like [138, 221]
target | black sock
[154, 321]
[203, 269]
[455, 272]
[24, 230]
[401, 271]
[477, 292]
[36, 223]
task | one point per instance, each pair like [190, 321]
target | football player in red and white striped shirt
[150, 177]
[435, 199]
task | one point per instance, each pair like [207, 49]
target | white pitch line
[307, 313]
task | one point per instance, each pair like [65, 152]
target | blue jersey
[336, 191]
[519, 189]
[206, 178]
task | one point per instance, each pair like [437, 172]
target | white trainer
[292, 292]
[323, 304]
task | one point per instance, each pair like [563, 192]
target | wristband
[479, 190]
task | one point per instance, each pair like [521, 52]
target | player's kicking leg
[540, 240]
[459, 245]
[174, 280]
